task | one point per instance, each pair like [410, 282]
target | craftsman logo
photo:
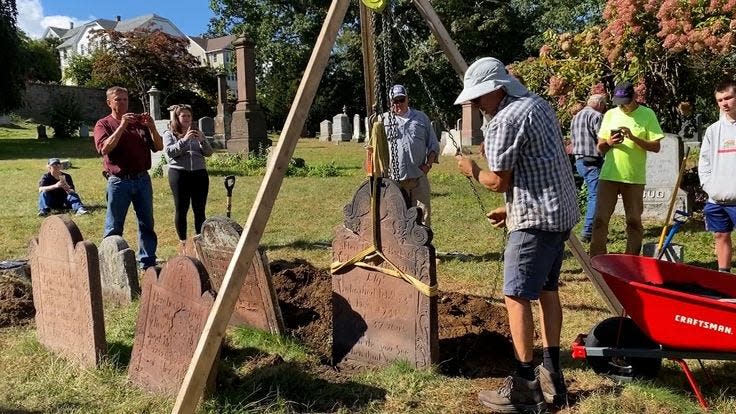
[704, 324]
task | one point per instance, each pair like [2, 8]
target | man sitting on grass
[56, 191]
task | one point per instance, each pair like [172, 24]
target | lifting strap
[375, 250]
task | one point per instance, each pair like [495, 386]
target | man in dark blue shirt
[56, 191]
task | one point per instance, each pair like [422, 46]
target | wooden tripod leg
[598, 283]
[209, 342]
[444, 39]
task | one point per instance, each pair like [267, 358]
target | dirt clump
[474, 337]
[16, 302]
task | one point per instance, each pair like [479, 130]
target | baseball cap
[53, 161]
[398, 90]
[486, 75]
[623, 93]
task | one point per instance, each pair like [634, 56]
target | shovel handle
[229, 184]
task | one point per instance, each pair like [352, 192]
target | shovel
[229, 184]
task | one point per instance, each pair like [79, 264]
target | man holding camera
[627, 133]
[125, 141]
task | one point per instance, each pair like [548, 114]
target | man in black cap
[627, 133]
[56, 191]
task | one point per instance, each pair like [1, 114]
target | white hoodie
[717, 163]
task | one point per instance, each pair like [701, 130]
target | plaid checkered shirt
[584, 130]
[524, 137]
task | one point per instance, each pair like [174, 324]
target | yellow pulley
[376, 5]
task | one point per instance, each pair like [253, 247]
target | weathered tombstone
[341, 129]
[378, 318]
[65, 275]
[257, 305]
[207, 126]
[325, 130]
[118, 271]
[41, 132]
[357, 135]
[83, 130]
[174, 308]
[446, 142]
[663, 167]
[248, 125]
[154, 106]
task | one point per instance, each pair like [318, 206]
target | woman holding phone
[186, 149]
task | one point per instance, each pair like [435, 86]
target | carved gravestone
[65, 275]
[378, 318]
[173, 312]
[207, 126]
[357, 135]
[341, 128]
[663, 167]
[325, 130]
[118, 271]
[257, 305]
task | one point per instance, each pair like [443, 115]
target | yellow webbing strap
[380, 150]
[376, 5]
[357, 260]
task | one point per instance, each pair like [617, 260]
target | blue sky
[190, 16]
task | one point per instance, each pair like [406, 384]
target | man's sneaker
[82, 211]
[517, 395]
[43, 213]
[553, 386]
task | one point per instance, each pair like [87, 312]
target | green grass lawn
[306, 212]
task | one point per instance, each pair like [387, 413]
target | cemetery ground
[260, 372]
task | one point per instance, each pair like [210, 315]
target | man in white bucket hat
[528, 164]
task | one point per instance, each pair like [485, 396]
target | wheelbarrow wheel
[621, 332]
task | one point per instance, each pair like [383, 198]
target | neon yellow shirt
[627, 162]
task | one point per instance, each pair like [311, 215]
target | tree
[11, 77]
[41, 59]
[79, 69]
[140, 59]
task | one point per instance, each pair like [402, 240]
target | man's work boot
[553, 386]
[516, 395]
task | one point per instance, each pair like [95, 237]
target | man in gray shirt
[717, 168]
[416, 149]
[588, 161]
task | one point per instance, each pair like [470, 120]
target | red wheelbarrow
[675, 311]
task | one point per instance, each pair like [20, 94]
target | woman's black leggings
[189, 186]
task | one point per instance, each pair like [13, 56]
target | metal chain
[392, 133]
[436, 109]
[377, 96]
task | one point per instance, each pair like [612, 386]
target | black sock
[724, 269]
[551, 359]
[525, 370]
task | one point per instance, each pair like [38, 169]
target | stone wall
[38, 99]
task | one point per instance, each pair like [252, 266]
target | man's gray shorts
[532, 262]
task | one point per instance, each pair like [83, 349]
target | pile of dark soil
[16, 302]
[474, 336]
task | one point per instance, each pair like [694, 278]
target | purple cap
[623, 93]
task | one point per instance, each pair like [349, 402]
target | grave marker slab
[378, 318]
[207, 126]
[67, 295]
[341, 128]
[118, 271]
[325, 130]
[174, 309]
[257, 305]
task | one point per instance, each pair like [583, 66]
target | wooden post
[439, 31]
[598, 283]
[209, 342]
[369, 60]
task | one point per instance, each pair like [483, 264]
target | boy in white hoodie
[716, 168]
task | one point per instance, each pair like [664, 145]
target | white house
[215, 52]
[78, 40]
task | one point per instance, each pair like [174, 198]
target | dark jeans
[189, 187]
[589, 172]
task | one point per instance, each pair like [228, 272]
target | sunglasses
[400, 99]
[184, 106]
